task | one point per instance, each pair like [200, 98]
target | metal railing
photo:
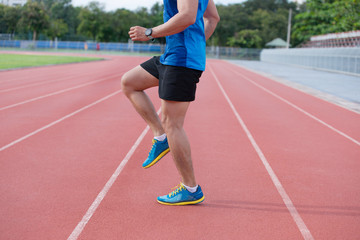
[134, 47]
[344, 60]
[153, 48]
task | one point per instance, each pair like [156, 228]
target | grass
[10, 61]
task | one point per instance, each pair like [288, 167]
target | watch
[148, 33]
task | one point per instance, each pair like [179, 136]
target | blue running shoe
[158, 150]
[181, 196]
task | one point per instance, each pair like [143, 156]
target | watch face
[148, 32]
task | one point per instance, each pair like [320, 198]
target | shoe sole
[161, 155]
[183, 203]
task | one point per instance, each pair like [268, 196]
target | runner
[187, 26]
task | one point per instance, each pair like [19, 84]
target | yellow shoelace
[178, 189]
[153, 145]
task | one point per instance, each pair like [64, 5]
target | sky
[111, 5]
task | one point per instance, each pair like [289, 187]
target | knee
[170, 125]
[126, 86]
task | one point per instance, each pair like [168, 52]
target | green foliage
[92, 20]
[241, 24]
[246, 39]
[268, 5]
[266, 19]
[57, 28]
[270, 24]
[269, 18]
[9, 16]
[35, 17]
[233, 19]
[322, 17]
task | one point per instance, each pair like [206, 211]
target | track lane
[48, 181]
[95, 74]
[70, 163]
[52, 80]
[63, 90]
[309, 158]
[23, 119]
[334, 115]
[279, 187]
[241, 201]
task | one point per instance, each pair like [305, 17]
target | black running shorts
[175, 83]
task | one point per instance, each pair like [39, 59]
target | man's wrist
[148, 33]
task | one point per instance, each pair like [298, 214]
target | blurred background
[267, 30]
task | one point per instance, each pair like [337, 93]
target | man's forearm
[210, 25]
[176, 24]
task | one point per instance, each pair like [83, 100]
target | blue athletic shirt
[187, 48]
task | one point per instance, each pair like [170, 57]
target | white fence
[345, 60]
[213, 52]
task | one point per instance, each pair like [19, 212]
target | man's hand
[137, 33]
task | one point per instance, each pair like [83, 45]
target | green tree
[156, 14]
[9, 17]
[271, 25]
[57, 29]
[3, 28]
[62, 9]
[246, 39]
[121, 23]
[35, 17]
[324, 16]
[106, 31]
[12, 16]
[233, 19]
[91, 20]
[347, 15]
[46, 3]
[269, 5]
[269, 17]
[59, 9]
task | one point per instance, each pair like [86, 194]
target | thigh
[139, 79]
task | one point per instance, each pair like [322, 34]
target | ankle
[191, 189]
[161, 137]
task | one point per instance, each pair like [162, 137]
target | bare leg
[133, 84]
[173, 116]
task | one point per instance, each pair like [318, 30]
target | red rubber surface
[49, 180]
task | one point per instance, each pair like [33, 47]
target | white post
[289, 29]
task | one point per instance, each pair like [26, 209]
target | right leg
[133, 84]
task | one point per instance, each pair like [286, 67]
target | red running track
[274, 163]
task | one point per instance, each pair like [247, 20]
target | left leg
[173, 116]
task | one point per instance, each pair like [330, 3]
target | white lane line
[298, 108]
[58, 92]
[81, 225]
[285, 197]
[32, 85]
[43, 82]
[58, 121]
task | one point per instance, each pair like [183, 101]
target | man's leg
[173, 115]
[133, 84]
[188, 192]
